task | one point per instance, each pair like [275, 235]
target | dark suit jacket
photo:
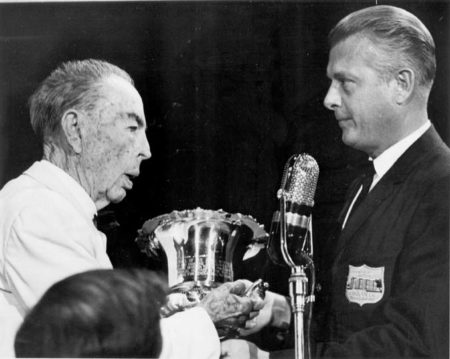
[387, 290]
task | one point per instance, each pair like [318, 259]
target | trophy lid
[216, 235]
[176, 218]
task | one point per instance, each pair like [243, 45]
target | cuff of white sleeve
[189, 334]
[281, 311]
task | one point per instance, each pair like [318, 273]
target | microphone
[290, 241]
[291, 223]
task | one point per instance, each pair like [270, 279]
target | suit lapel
[386, 187]
[351, 193]
[379, 193]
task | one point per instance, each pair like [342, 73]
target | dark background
[230, 89]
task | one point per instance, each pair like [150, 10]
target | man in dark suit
[386, 289]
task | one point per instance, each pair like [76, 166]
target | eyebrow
[340, 75]
[141, 122]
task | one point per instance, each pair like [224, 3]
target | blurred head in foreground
[99, 313]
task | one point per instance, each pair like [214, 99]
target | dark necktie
[366, 179]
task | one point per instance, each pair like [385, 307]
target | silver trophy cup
[200, 247]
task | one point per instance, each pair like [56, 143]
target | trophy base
[194, 291]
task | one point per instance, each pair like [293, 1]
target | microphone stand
[298, 285]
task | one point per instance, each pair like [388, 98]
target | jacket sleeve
[189, 334]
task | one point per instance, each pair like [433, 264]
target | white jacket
[47, 234]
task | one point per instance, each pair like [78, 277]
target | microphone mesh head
[303, 180]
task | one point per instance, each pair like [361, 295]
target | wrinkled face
[114, 142]
[363, 102]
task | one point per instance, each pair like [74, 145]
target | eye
[132, 128]
[347, 84]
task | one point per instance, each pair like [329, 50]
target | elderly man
[387, 288]
[92, 124]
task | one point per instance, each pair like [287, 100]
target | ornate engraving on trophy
[199, 245]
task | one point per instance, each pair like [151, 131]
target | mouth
[128, 180]
[343, 120]
[132, 175]
[340, 118]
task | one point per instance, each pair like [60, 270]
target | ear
[70, 124]
[405, 83]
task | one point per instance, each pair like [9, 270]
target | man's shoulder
[436, 152]
[428, 158]
[436, 164]
[20, 186]
[25, 192]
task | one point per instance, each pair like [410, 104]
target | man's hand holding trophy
[199, 246]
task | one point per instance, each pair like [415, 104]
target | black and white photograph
[225, 179]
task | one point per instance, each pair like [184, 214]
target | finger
[235, 305]
[231, 323]
[249, 324]
[225, 287]
[165, 312]
[241, 320]
[253, 314]
[245, 304]
[258, 303]
[240, 286]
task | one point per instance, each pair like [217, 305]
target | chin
[349, 140]
[116, 196]
[117, 199]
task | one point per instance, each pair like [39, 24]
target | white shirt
[386, 160]
[47, 234]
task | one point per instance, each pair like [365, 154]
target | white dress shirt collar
[58, 180]
[387, 159]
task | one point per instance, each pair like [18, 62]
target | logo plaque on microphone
[365, 285]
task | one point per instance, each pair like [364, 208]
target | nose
[144, 148]
[332, 99]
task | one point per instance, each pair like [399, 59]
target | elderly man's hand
[228, 307]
